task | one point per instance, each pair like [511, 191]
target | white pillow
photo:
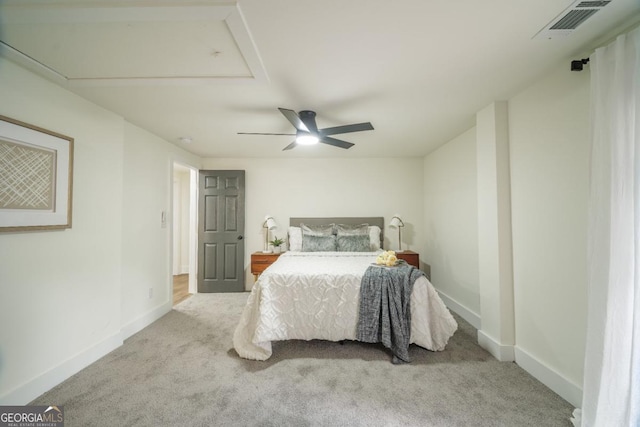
[374, 237]
[295, 239]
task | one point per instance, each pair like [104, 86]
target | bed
[316, 295]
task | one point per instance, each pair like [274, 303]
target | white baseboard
[145, 320]
[25, 393]
[464, 312]
[564, 387]
[504, 353]
[184, 269]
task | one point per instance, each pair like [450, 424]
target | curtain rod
[608, 38]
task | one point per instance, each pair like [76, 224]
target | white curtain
[612, 362]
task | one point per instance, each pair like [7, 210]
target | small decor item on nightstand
[276, 243]
[387, 258]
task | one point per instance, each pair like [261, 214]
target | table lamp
[268, 224]
[396, 222]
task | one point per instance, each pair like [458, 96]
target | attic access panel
[116, 50]
[131, 44]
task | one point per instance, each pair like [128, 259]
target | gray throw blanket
[385, 308]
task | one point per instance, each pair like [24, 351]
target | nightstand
[260, 261]
[411, 257]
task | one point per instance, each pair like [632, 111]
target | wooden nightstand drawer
[260, 261]
[411, 257]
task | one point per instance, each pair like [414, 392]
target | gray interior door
[221, 231]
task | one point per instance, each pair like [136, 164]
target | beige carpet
[183, 371]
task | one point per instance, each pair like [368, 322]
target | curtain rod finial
[578, 64]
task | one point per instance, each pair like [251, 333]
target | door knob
[240, 237]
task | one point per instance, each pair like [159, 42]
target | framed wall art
[36, 177]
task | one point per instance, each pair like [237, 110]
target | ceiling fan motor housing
[309, 119]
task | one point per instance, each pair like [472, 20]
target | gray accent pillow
[354, 243]
[352, 230]
[317, 230]
[318, 243]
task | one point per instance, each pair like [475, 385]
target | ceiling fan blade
[257, 133]
[294, 119]
[290, 146]
[358, 127]
[336, 142]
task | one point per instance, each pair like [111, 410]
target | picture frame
[36, 177]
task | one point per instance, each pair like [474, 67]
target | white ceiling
[417, 70]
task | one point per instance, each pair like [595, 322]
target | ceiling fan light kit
[306, 139]
[307, 132]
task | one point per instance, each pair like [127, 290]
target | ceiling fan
[307, 132]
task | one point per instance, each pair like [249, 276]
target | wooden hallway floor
[180, 288]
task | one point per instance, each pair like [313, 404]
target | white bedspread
[316, 295]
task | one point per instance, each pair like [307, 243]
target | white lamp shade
[396, 221]
[269, 223]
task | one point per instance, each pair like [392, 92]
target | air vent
[565, 23]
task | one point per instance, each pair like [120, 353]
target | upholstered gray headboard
[371, 220]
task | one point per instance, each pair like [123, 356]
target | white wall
[148, 182]
[69, 297]
[495, 262]
[451, 223]
[287, 188]
[549, 149]
[549, 137]
[60, 290]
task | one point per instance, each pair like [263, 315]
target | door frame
[193, 226]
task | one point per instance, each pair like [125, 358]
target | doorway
[184, 232]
